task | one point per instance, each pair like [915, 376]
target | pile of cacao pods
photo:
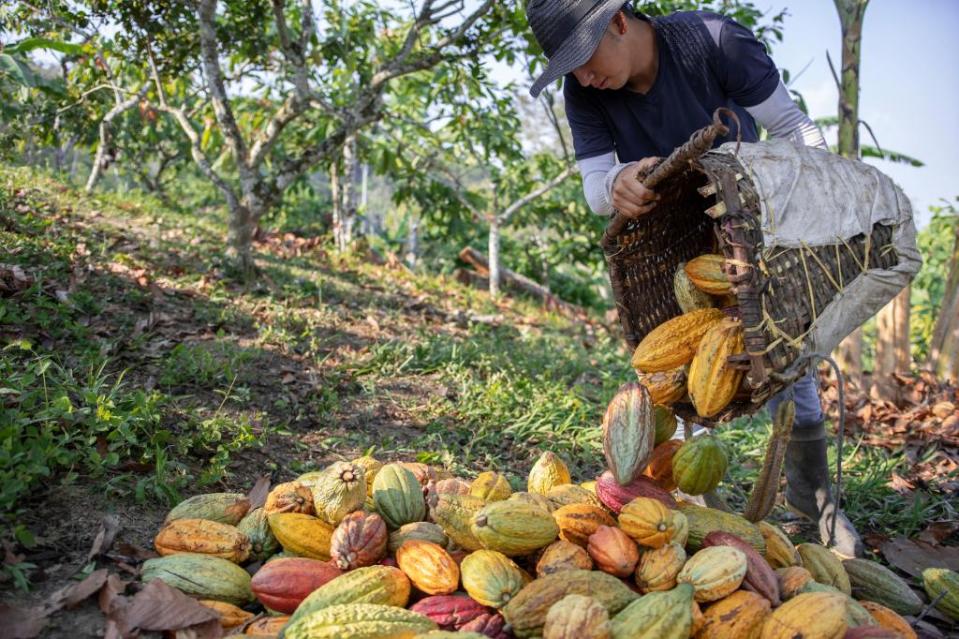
[686, 356]
[362, 549]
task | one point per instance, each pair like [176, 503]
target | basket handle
[699, 142]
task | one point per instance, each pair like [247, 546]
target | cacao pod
[225, 508]
[738, 616]
[230, 616]
[267, 627]
[699, 465]
[371, 467]
[357, 621]
[305, 535]
[649, 522]
[703, 520]
[613, 551]
[658, 615]
[381, 585]
[452, 486]
[615, 496]
[490, 486]
[824, 566]
[875, 582]
[567, 494]
[714, 572]
[201, 576]
[398, 496]
[706, 273]
[791, 580]
[514, 528]
[944, 583]
[713, 382]
[760, 577]
[289, 497]
[871, 632]
[450, 612]
[526, 612]
[890, 619]
[665, 420]
[629, 432]
[856, 615]
[562, 555]
[660, 468]
[665, 389]
[424, 530]
[359, 540]
[577, 617]
[429, 567]
[814, 615]
[454, 514]
[340, 490]
[203, 537]
[688, 296]
[283, 584]
[548, 471]
[256, 527]
[489, 625]
[491, 578]
[674, 342]
[658, 568]
[780, 551]
[535, 499]
[578, 521]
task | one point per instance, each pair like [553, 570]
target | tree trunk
[892, 348]
[413, 243]
[944, 349]
[241, 228]
[851, 12]
[494, 239]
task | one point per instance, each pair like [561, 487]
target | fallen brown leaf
[105, 536]
[160, 607]
[22, 623]
[259, 492]
[912, 557]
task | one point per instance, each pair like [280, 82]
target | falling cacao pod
[688, 295]
[203, 537]
[578, 521]
[615, 496]
[491, 577]
[359, 540]
[612, 551]
[658, 615]
[649, 522]
[712, 381]
[674, 342]
[283, 584]
[629, 432]
[429, 567]
[699, 465]
[562, 555]
[514, 528]
[658, 568]
[706, 273]
[714, 572]
[548, 471]
[760, 577]
[665, 389]
[577, 617]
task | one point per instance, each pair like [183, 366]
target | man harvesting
[636, 88]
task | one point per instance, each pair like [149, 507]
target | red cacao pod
[283, 583]
[359, 540]
[492, 625]
[760, 577]
[615, 496]
[451, 612]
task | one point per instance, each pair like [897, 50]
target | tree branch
[99, 163]
[532, 195]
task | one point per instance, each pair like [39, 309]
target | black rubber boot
[809, 493]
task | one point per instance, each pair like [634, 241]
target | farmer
[635, 88]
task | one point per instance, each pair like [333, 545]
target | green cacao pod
[427, 531]
[629, 432]
[825, 567]
[340, 490]
[454, 514]
[358, 621]
[491, 578]
[937, 581]
[874, 582]
[226, 508]
[665, 420]
[702, 521]
[201, 576]
[514, 528]
[383, 585]
[398, 496]
[658, 615]
[527, 611]
[699, 465]
[256, 526]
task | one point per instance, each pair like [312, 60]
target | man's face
[608, 68]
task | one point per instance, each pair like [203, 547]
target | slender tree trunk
[413, 243]
[892, 348]
[944, 349]
[106, 137]
[348, 194]
[494, 241]
[851, 12]
[337, 201]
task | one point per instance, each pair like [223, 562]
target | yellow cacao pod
[230, 616]
[358, 621]
[490, 486]
[706, 274]
[454, 514]
[514, 528]
[658, 615]
[824, 566]
[578, 521]
[203, 537]
[548, 471]
[340, 490]
[562, 555]
[289, 497]
[658, 568]
[713, 382]
[665, 387]
[688, 296]
[714, 572]
[381, 585]
[738, 616]
[703, 520]
[813, 615]
[535, 499]
[577, 617]
[649, 522]
[566, 494]
[304, 535]
[491, 578]
[429, 567]
[889, 619]
[674, 342]
[943, 584]
[371, 467]
[780, 551]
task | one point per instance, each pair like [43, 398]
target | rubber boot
[809, 493]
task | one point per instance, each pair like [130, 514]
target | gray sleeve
[595, 172]
[779, 115]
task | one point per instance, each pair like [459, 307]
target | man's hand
[630, 197]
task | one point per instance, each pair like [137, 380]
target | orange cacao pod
[562, 555]
[578, 521]
[204, 537]
[230, 616]
[791, 580]
[706, 274]
[359, 540]
[649, 522]
[888, 618]
[290, 497]
[613, 551]
[660, 468]
[665, 387]
[429, 567]
[674, 342]
[739, 616]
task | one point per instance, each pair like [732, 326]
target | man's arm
[783, 118]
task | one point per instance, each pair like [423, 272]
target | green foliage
[936, 245]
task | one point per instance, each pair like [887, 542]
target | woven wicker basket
[707, 206]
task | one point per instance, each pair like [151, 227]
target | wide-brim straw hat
[568, 32]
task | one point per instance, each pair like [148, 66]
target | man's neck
[645, 56]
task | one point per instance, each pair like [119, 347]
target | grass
[134, 367]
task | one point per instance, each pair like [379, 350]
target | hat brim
[578, 48]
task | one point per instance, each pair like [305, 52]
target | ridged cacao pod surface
[230, 616]
[491, 578]
[513, 528]
[658, 615]
[706, 274]
[567, 494]
[450, 612]
[381, 585]
[578, 521]
[760, 577]
[577, 617]
[398, 496]
[712, 381]
[703, 520]
[290, 497]
[490, 486]
[339, 491]
[937, 581]
[819, 615]
[658, 568]
[824, 566]
[660, 468]
[714, 572]
[629, 432]
[201, 576]
[874, 582]
[613, 552]
[204, 537]
[304, 535]
[548, 471]
[454, 514]
[425, 530]
[256, 526]
[739, 616]
[359, 540]
[665, 389]
[225, 508]
[562, 555]
[888, 618]
[429, 567]
[674, 342]
[358, 621]
[650, 523]
[780, 551]
[283, 584]
[699, 465]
